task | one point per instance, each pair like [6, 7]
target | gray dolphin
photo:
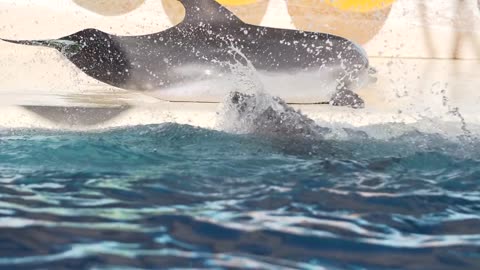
[203, 48]
[271, 118]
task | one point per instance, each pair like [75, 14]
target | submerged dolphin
[204, 47]
[272, 118]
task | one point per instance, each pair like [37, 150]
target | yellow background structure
[360, 5]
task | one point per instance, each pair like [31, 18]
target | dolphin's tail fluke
[45, 43]
[64, 45]
[28, 42]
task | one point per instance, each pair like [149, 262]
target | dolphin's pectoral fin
[345, 97]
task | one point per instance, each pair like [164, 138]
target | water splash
[246, 77]
[263, 114]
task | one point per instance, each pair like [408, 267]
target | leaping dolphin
[201, 50]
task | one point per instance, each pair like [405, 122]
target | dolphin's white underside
[208, 85]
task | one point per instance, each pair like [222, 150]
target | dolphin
[271, 118]
[202, 51]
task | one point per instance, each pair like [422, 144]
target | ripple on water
[177, 196]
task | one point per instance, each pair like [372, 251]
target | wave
[160, 196]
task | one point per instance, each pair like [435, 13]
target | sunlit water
[173, 196]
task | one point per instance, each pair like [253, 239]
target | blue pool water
[174, 196]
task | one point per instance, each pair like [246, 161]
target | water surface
[174, 196]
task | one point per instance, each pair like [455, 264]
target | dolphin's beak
[65, 46]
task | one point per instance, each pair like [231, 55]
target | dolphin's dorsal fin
[207, 11]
